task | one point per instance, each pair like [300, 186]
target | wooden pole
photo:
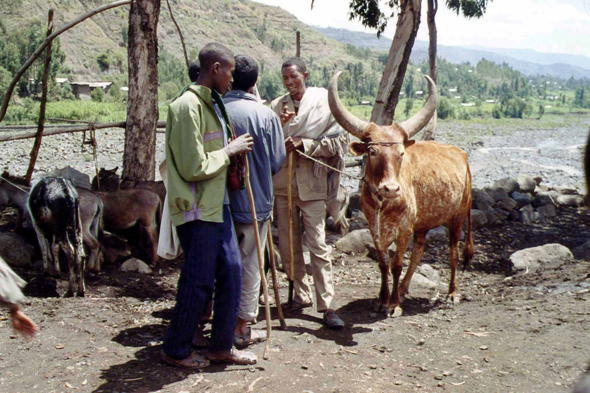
[273, 269]
[290, 231]
[180, 34]
[298, 54]
[260, 258]
[45, 81]
[70, 129]
[37, 53]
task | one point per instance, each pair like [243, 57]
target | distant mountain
[527, 61]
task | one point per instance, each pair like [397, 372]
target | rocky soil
[515, 330]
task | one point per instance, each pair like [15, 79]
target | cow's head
[385, 146]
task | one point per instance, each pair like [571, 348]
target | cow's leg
[384, 293]
[454, 235]
[419, 245]
[393, 307]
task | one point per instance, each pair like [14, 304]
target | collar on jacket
[241, 94]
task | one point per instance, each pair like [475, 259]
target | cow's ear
[409, 143]
[357, 148]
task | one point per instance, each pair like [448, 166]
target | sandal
[193, 361]
[233, 356]
[251, 337]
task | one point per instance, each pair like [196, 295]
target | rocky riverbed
[516, 330]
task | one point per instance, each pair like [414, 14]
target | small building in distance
[82, 90]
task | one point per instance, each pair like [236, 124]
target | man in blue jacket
[268, 153]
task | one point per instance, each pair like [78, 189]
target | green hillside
[264, 32]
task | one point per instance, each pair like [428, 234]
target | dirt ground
[522, 333]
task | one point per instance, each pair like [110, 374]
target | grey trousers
[248, 310]
[314, 213]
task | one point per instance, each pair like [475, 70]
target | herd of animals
[75, 223]
[409, 187]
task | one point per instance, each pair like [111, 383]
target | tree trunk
[399, 54]
[139, 159]
[430, 131]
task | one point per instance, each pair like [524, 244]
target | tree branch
[188, 64]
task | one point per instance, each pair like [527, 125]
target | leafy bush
[445, 109]
[97, 95]
[497, 112]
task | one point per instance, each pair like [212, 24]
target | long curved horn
[417, 122]
[346, 119]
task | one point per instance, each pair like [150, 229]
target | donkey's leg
[68, 249]
[55, 268]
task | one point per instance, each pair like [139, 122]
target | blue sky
[555, 26]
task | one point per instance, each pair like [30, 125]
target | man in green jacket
[198, 154]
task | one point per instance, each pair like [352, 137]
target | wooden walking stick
[265, 355]
[273, 269]
[290, 232]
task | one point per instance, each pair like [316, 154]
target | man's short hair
[194, 70]
[245, 73]
[213, 53]
[297, 62]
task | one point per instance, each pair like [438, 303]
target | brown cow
[409, 187]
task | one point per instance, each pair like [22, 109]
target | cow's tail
[468, 248]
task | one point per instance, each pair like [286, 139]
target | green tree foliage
[409, 107]
[18, 44]
[171, 69]
[445, 109]
[372, 14]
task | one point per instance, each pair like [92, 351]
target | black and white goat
[54, 206]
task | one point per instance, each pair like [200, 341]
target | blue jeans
[212, 266]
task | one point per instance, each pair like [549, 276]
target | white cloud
[561, 26]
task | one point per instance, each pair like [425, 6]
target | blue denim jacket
[265, 159]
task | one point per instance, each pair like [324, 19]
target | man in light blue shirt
[266, 158]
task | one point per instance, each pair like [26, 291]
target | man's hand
[286, 116]
[293, 143]
[23, 324]
[242, 144]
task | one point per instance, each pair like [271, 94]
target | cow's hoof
[395, 312]
[453, 299]
[377, 306]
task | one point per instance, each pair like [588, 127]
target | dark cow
[409, 187]
[54, 206]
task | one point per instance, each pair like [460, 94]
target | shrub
[97, 95]
[445, 109]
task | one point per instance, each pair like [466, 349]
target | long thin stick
[180, 34]
[273, 269]
[69, 129]
[290, 232]
[45, 82]
[37, 53]
[265, 355]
